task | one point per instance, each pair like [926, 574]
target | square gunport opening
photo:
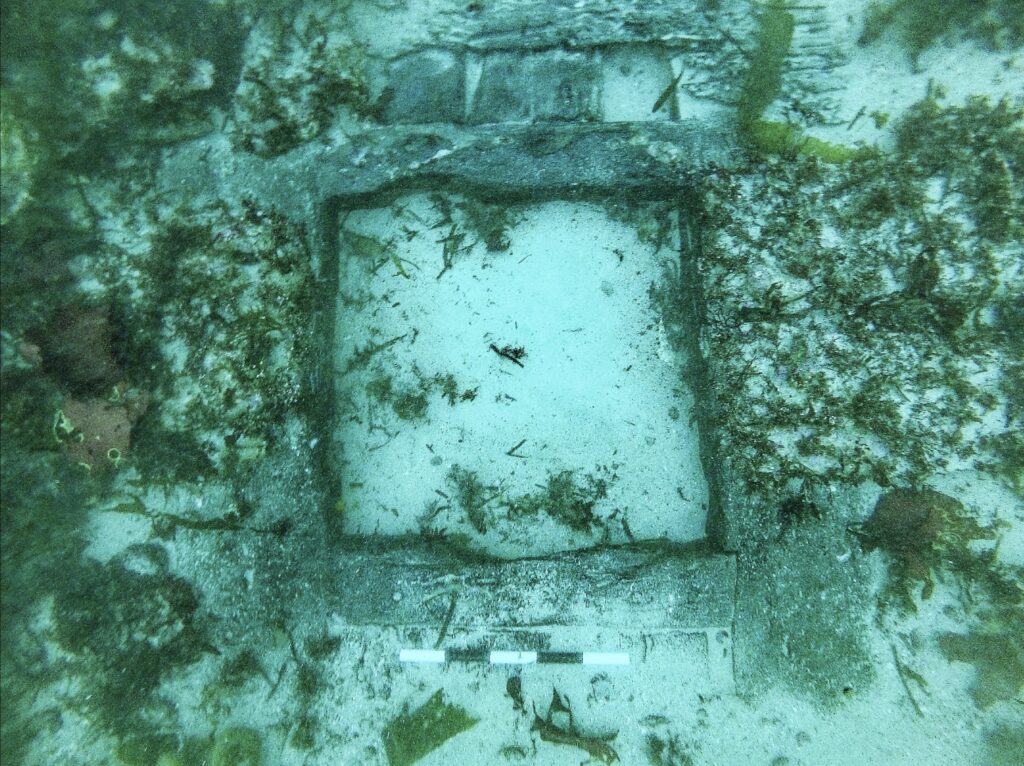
[513, 377]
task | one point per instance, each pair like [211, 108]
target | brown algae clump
[920, 529]
[412, 735]
[906, 520]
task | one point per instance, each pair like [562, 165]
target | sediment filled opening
[505, 378]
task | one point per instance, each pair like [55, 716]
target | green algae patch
[998, 660]
[919, 309]
[566, 499]
[996, 24]
[761, 87]
[412, 735]
[993, 642]
[979, 146]
[764, 78]
[1004, 742]
[237, 747]
[772, 137]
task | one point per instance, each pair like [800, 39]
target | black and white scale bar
[440, 656]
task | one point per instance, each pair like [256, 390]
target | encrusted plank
[639, 587]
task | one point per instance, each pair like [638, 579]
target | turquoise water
[512, 382]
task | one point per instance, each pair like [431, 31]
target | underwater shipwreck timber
[533, 382]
